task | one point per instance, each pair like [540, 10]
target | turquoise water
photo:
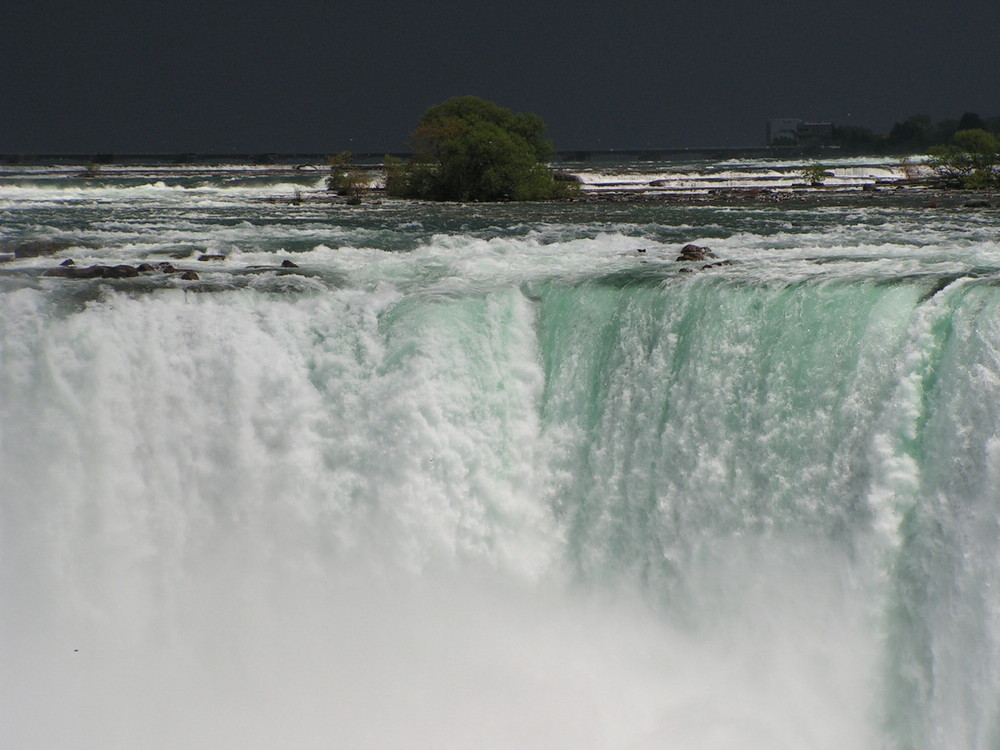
[489, 476]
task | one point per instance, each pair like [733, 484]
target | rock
[6, 257]
[288, 264]
[189, 276]
[211, 256]
[977, 204]
[119, 272]
[563, 176]
[93, 272]
[68, 262]
[144, 268]
[695, 253]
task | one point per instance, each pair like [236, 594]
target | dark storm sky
[287, 75]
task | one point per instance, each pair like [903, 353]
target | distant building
[794, 132]
[783, 132]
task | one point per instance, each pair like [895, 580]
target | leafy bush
[345, 179]
[815, 174]
[971, 160]
[469, 149]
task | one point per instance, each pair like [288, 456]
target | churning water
[496, 476]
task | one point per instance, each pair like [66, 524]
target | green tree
[971, 160]
[912, 134]
[345, 179]
[816, 173]
[469, 149]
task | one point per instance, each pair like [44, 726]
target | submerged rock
[93, 272]
[189, 276]
[211, 256]
[695, 253]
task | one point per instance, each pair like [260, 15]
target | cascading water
[505, 488]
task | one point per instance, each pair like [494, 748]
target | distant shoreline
[924, 192]
[372, 158]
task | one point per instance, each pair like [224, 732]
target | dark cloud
[327, 76]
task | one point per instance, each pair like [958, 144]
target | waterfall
[617, 511]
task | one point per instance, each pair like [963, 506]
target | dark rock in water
[6, 257]
[561, 176]
[61, 272]
[695, 253]
[144, 268]
[716, 265]
[93, 272]
[977, 204]
[120, 272]
[640, 249]
[288, 264]
[37, 248]
[189, 276]
[211, 256]
[68, 262]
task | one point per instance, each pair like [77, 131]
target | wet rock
[68, 262]
[288, 264]
[6, 257]
[93, 272]
[119, 272]
[189, 276]
[563, 176]
[691, 253]
[61, 272]
[977, 204]
[211, 256]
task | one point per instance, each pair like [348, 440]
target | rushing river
[495, 476]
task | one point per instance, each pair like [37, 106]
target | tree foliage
[345, 178]
[914, 135]
[816, 173]
[972, 159]
[469, 149]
